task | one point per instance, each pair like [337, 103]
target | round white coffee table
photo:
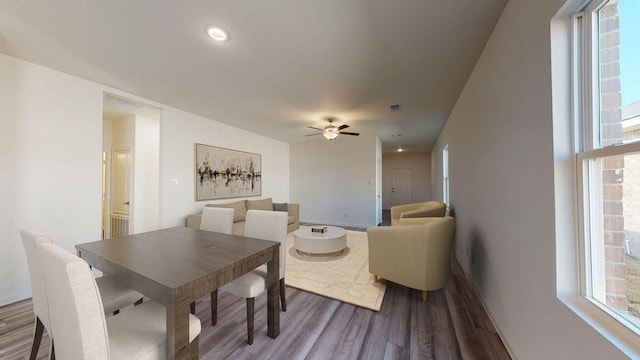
[330, 243]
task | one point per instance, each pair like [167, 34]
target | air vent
[395, 107]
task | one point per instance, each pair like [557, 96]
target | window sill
[606, 324]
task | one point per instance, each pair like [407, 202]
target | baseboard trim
[486, 310]
[14, 298]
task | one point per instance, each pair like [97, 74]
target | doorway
[131, 167]
[120, 193]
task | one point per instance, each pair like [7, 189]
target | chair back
[75, 308]
[440, 234]
[269, 225]
[30, 239]
[217, 220]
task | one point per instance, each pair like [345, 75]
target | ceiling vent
[395, 107]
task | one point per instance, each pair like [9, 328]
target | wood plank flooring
[450, 325]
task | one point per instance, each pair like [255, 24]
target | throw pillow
[280, 207]
[265, 204]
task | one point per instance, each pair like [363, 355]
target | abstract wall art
[224, 173]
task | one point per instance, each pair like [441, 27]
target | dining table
[179, 265]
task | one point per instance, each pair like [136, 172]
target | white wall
[51, 158]
[107, 143]
[378, 181]
[146, 172]
[500, 136]
[420, 165]
[335, 181]
[180, 130]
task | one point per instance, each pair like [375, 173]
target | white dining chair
[78, 321]
[217, 220]
[115, 296]
[266, 225]
[39, 294]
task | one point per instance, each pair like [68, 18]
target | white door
[121, 185]
[400, 186]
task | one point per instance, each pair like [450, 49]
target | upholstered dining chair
[77, 319]
[217, 220]
[266, 225]
[115, 296]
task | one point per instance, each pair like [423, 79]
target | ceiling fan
[331, 131]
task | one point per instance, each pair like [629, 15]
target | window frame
[588, 150]
[585, 177]
[445, 174]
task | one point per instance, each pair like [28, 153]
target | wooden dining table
[179, 265]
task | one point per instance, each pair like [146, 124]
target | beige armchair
[417, 210]
[415, 254]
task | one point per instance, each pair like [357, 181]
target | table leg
[273, 293]
[178, 326]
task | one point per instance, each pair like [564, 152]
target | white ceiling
[289, 63]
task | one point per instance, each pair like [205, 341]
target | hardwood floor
[386, 221]
[16, 332]
[450, 325]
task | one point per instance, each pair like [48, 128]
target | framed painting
[225, 173]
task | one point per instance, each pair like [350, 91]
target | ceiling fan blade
[349, 133]
[314, 128]
[342, 127]
[313, 134]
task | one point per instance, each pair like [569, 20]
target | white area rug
[345, 277]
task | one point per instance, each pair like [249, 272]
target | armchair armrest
[423, 212]
[419, 220]
[294, 210]
[193, 220]
[397, 210]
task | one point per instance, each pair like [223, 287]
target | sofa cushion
[238, 228]
[239, 209]
[264, 204]
[280, 207]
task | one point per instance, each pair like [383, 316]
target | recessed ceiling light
[217, 33]
[400, 150]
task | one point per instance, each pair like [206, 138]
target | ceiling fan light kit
[331, 132]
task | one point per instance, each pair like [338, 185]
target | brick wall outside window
[613, 168]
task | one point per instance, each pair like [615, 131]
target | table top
[179, 265]
[332, 232]
[175, 256]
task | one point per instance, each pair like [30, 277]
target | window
[445, 174]
[608, 156]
